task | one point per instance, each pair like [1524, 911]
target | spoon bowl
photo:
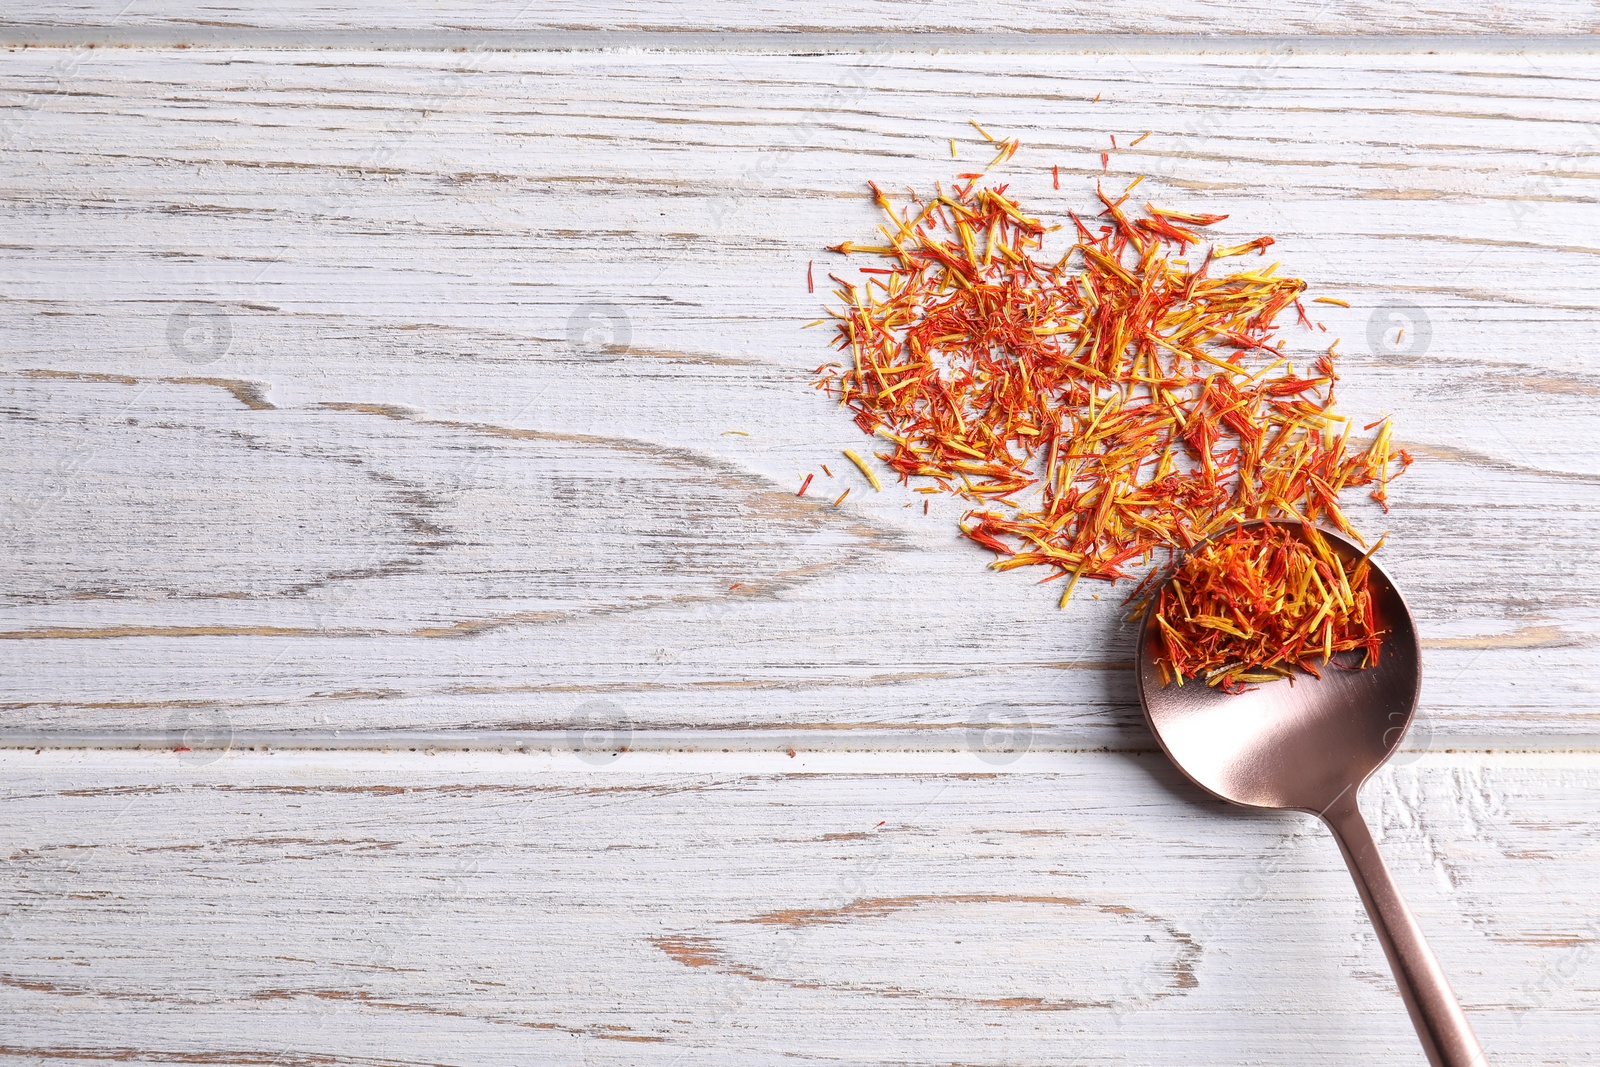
[1306, 744]
[1297, 743]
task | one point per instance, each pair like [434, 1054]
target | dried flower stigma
[1102, 410]
[867, 472]
[1256, 602]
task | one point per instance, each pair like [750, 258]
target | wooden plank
[311, 424]
[1076, 909]
[187, 20]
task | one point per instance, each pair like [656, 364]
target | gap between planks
[782, 42]
[968, 747]
[233, 764]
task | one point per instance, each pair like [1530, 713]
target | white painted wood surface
[402, 494]
[510, 909]
[308, 438]
[211, 20]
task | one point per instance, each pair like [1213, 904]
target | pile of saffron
[1126, 400]
[1254, 603]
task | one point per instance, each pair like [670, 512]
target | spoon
[1308, 747]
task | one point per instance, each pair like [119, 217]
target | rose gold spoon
[1308, 748]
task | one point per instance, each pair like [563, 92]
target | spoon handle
[1446, 1037]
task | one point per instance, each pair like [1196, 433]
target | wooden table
[369, 482]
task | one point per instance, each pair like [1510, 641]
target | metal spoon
[1308, 747]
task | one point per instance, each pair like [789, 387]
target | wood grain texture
[360, 392]
[379, 399]
[200, 21]
[486, 909]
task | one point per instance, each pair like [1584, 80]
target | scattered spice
[1105, 161]
[1007, 150]
[1380, 452]
[736, 433]
[1256, 602]
[1138, 396]
[842, 495]
[1056, 175]
[1260, 244]
[861, 464]
[1139, 138]
[1335, 301]
[811, 285]
[805, 485]
[826, 471]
